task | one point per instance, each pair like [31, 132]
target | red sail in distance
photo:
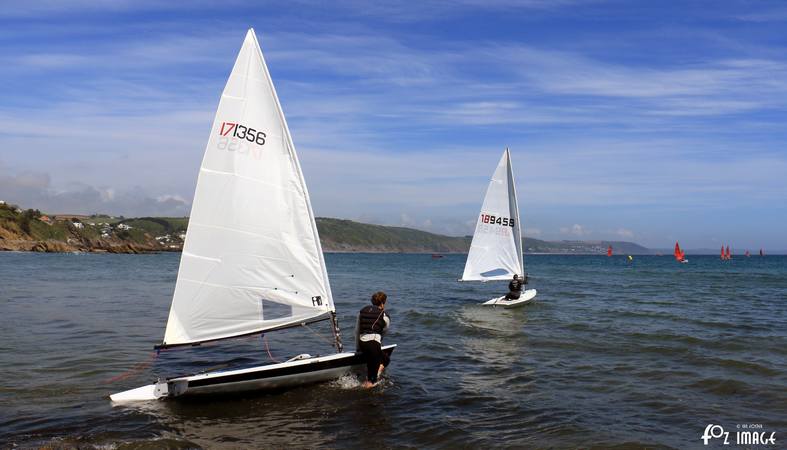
[747, 254]
[609, 251]
[679, 254]
[722, 253]
[728, 253]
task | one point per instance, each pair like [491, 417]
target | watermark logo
[744, 434]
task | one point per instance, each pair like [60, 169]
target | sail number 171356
[242, 132]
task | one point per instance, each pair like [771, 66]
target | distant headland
[32, 230]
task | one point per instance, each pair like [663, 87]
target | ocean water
[610, 354]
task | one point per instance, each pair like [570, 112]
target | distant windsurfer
[515, 287]
[373, 322]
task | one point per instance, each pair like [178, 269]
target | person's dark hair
[516, 276]
[378, 298]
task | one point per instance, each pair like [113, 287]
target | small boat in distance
[436, 256]
[723, 258]
[680, 255]
[609, 251]
[728, 255]
[761, 253]
[747, 254]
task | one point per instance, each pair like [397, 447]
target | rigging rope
[332, 344]
[136, 369]
[267, 349]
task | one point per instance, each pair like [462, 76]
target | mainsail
[252, 259]
[496, 249]
[609, 250]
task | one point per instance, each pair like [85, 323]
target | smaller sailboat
[496, 249]
[723, 258]
[747, 254]
[728, 255]
[680, 255]
[761, 253]
[609, 250]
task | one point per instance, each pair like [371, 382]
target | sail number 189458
[497, 220]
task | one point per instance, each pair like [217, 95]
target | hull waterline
[292, 373]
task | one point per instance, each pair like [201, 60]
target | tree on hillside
[25, 218]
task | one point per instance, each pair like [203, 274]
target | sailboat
[496, 249]
[761, 253]
[747, 254]
[680, 255]
[728, 255]
[252, 261]
[609, 250]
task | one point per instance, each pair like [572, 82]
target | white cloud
[33, 190]
[575, 230]
[624, 233]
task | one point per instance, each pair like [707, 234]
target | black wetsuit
[515, 290]
[373, 321]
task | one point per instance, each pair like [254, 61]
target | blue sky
[643, 121]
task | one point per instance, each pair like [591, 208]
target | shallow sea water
[610, 354]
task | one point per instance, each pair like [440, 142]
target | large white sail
[252, 259]
[496, 250]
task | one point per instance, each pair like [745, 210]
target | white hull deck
[524, 298]
[295, 372]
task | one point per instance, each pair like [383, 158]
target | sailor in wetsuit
[372, 324]
[515, 287]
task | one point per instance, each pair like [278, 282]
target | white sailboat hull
[259, 379]
[525, 297]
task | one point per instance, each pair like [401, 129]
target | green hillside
[584, 247]
[346, 235]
